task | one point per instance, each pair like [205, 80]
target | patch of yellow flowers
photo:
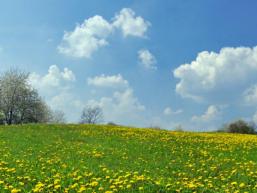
[108, 160]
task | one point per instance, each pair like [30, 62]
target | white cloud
[54, 78]
[212, 75]
[255, 118]
[250, 95]
[68, 75]
[122, 107]
[66, 101]
[161, 122]
[147, 59]
[130, 24]
[93, 33]
[168, 111]
[56, 88]
[211, 114]
[115, 81]
[86, 38]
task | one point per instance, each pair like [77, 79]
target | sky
[159, 63]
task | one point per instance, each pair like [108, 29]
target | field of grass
[89, 158]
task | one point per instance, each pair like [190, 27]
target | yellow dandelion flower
[93, 184]
[57, 186]
[242, 185]
[15, 190]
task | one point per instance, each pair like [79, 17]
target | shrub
[240, 126]
[112, 124]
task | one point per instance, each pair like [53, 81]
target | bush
[112, 124]
[240, 126]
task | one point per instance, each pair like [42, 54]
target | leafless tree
[91, 115]
[57, 116]
[19, 102]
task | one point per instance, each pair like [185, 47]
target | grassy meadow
[108, 159]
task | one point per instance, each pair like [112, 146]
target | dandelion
[15, 190]
[82, 189]
[242, 185]
[57, 186]
[93, 184]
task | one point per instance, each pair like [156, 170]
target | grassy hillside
[71, 158]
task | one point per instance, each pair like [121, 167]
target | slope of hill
[90, 158]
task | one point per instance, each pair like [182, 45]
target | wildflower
[82, 188]
[15, 190]
[93, 184]
[242, 185]
[57, 186]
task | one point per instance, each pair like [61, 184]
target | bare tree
[91, 115]
[19, 102]
[57, 116]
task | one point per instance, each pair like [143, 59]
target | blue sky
[146, 63]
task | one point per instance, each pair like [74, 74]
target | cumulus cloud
[93, 33]
[250, 95]
[130, 24]
[147, 59]
[168, 111]
[255, 118]
[65, 101]
[218, 77]
[122, 106]
[54, 78]
[211, 114]
[86, 38]
[56, 88]
[114, 81]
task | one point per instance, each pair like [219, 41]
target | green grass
[90, 158]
